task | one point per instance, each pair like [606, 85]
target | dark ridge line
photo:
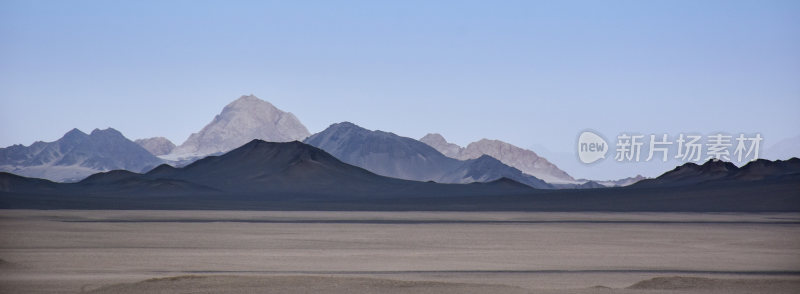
[707, 272]
[414, 222]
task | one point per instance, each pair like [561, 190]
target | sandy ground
[397, 252]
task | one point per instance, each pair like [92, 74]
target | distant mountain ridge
[256, 171]
[395, 156]
[241, 121]
[616, 183]
[295, 176]
[720, 171]
[525, 160]
[77, 155]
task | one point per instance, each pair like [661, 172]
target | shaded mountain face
[77, 155]
[383, 153]
[525, 160]
[277, 166]
[391, 155]
[156, 145]
[721, 171]
[241, 121]
[486, 169]
[711, 170]
[294, 168]
[764, 169]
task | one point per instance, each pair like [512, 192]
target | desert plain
[128, 251]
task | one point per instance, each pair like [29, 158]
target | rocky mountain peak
[241, 121]
[345, 125]
[438, 142]
[434, 138]
[108, 132]
[75, 132]
[248, 101]
[76, 155]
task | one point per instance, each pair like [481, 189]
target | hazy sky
[532, 73]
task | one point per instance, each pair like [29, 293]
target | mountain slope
[77, 155]
[381, 152]
[241, 121]
[291, 166]
[391, 155]
[762, 169]
[525, 160]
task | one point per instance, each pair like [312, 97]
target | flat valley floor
[106, 251]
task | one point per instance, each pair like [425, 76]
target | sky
[531, 73]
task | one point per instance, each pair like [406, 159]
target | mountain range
[524, 160]
[614, 183]
[400, 157]
[77, 155]
[347, 167]
[296, 176]
[723, 171]
[255, 172]
[248, 118]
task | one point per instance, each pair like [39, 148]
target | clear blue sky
[528, 72]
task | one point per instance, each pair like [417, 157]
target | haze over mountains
[77, 155]
[783, 149]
